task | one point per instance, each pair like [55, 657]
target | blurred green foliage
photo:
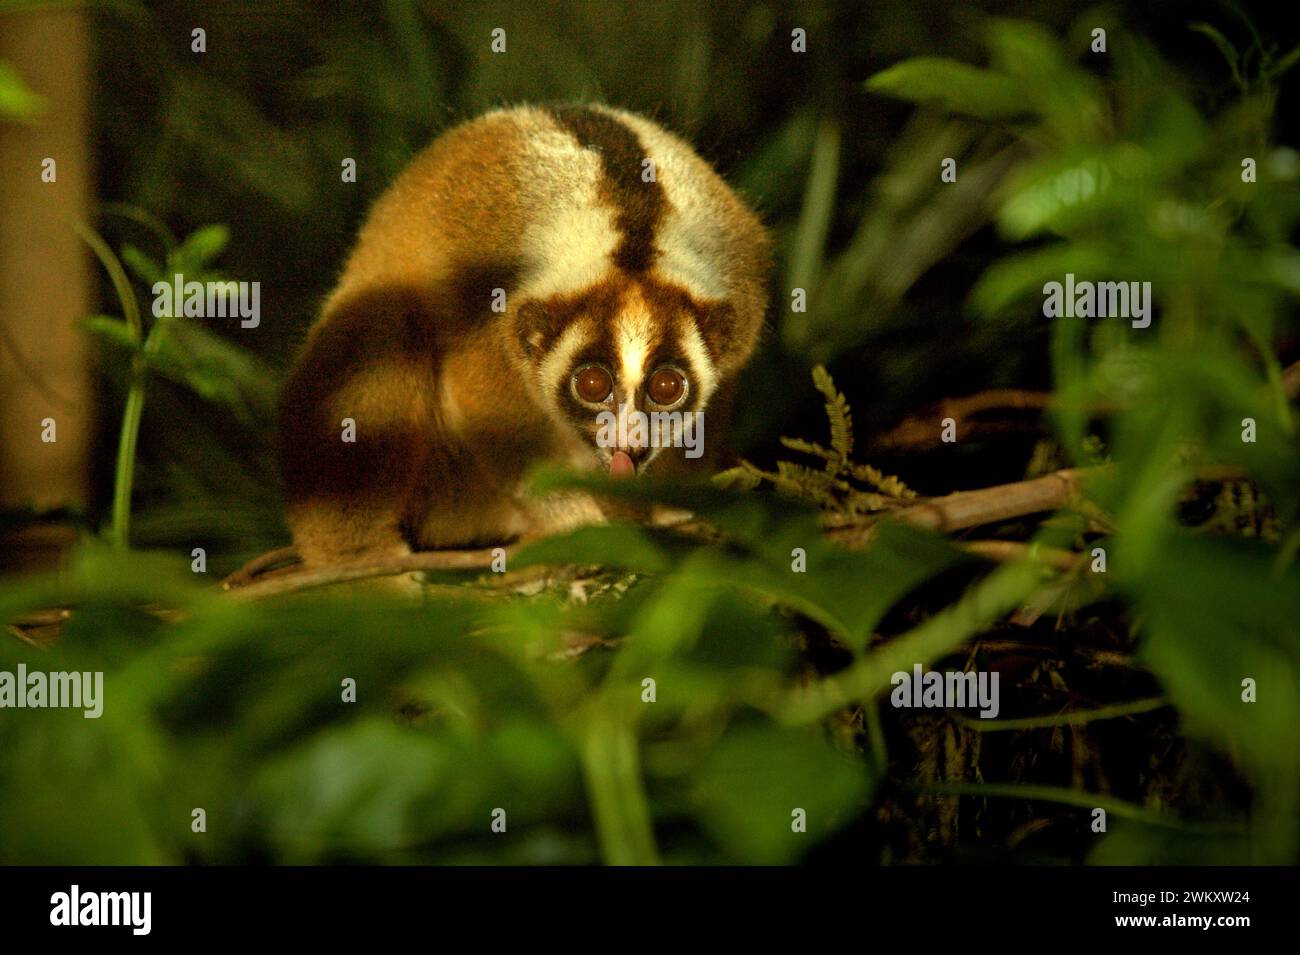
[471, 703]
[17, 101]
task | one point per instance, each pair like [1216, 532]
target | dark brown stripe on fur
[640, 204]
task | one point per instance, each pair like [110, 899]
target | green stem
[141, 217]
[612, 768]
[1067, 719]
[117, 275]
[124, 473]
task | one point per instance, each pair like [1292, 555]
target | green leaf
[1217, 614]
[113, 266]
[361, 788]
[997, 594]
[17, 100]
[105, 768]
[846, 591]
[613, 771]
[953, 86]
[1019, 278]
[144, 268]
[815, 219]
[112, 330]
[1281, 66]
[214, 368]
[622, 546]
[198, 249]
[1068, 100]
[760, 779]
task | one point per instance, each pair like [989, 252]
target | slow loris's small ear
[535, 329]
[727, 340]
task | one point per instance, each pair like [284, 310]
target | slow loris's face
[627, 368]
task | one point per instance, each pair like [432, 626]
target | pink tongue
[621, 466]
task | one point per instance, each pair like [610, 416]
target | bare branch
[966, 509]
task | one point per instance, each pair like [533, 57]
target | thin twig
[342, 573]
[258, 566]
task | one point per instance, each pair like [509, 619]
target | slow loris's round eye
[666, 386]
[592, 383]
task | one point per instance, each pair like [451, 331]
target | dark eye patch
[598, 351]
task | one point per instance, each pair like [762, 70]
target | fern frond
[743, 477]
[810, 447]
[837, 410]
[802, 481]
[829, 488]
[886, 483]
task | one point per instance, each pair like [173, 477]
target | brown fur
[444, 392]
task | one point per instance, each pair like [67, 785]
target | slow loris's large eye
[666, 386]
[592, 383]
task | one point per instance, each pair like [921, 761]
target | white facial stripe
[705, 375]
[557, 361]
[635, 334]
